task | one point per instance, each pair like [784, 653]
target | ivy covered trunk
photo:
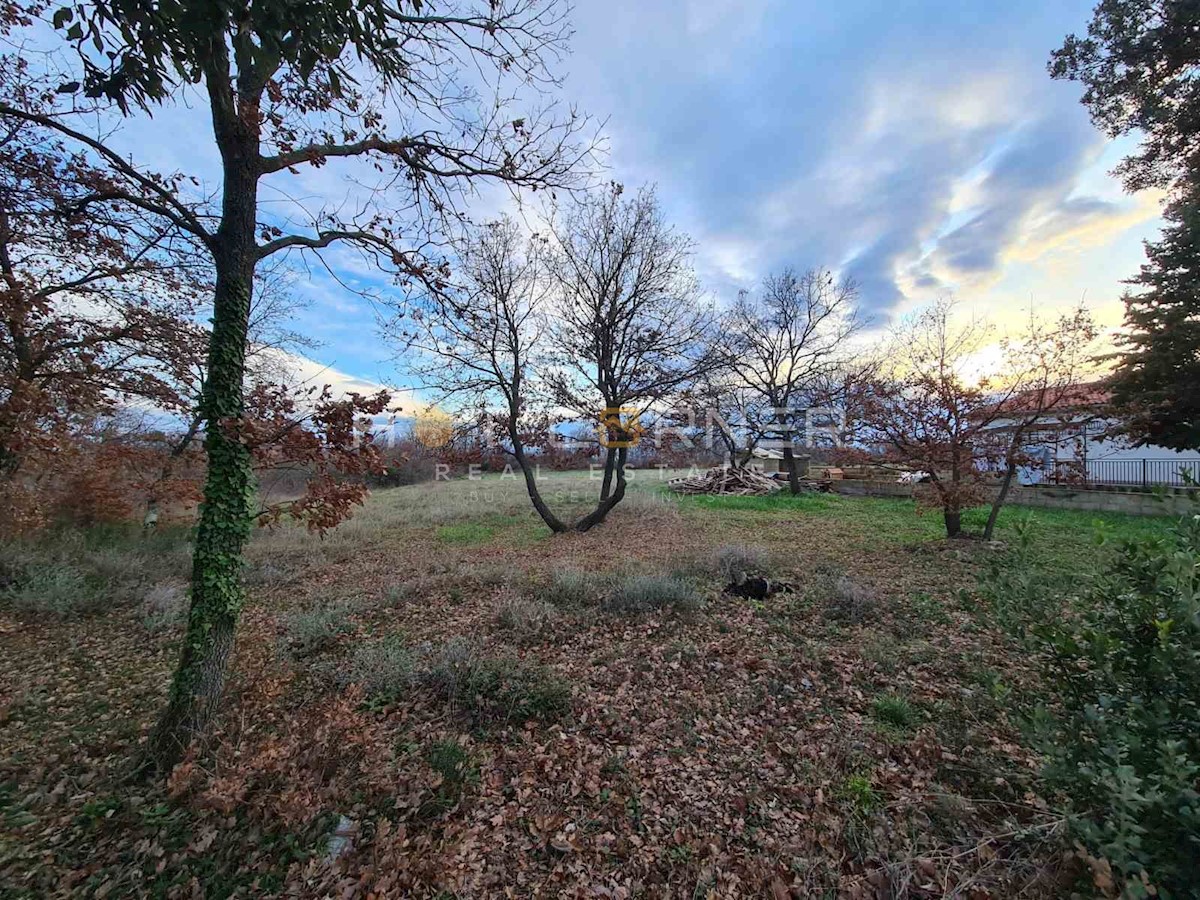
[225, 521]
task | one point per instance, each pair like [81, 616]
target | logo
[619, 427]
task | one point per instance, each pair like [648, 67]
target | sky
[917, 146]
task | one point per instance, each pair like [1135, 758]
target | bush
[57, 589]
[1123, 741]
[310, 631]
[494, 689]
[77, 572]
[732, 562]
[163, 607]
[384, 669]
[645, 593]
[525, 618]
[848, 601]
[68, 579]
[571, 587]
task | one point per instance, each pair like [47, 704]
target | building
[1079, 442]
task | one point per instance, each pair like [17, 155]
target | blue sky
[919, 146]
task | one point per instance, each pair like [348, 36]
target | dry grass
[743, 749]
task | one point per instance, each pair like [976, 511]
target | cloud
[301, 370]
[920, 148]
[913, 147]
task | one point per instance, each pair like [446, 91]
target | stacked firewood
[737, 481]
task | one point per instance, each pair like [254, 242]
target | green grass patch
[465, 533]
[894, 711]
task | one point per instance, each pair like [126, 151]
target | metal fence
[1127, 472]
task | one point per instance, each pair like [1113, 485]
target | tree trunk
[605, 506]
[998, 503]
[535, 495]
[610, 458]
[953, 519]
[789, 454]
[789, 462]
[225, 520]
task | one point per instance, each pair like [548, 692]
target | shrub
[384, 669]
[71, 573]
[525, 618]
[858, 791]
[262, 573]
[732, 562]
[494, 689]
[163, 607]
[57, 589]
[848, 601]
[571, 587]
[65, 582]
[487, 575]
[1122, 652]
[645, 593]
[313, 630]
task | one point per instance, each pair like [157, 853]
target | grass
[1060, 533]
[894, 711]
[646, 593]
[465, 533]
[496, 700]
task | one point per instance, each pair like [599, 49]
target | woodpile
[726, 480]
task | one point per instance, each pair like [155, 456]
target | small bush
[396, 595]
[262, 573]
[486, 575]
[163, 607]
[384, 669]
[894, 711]
[494, 689]
[525, 618]
[571, 587]
[78, 572]
[646, 593]
[310, 631]
[733, 562]
[848, 601]
[57, 589]
[858, 791]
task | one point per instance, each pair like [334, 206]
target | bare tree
[1046, 367]
[784, 345]
[927, 410]
[630, 327]
[603, 321]
[725, 415]
[482, 343]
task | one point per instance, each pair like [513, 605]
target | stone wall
[1138, 503]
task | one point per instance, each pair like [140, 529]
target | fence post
[1144, 481]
